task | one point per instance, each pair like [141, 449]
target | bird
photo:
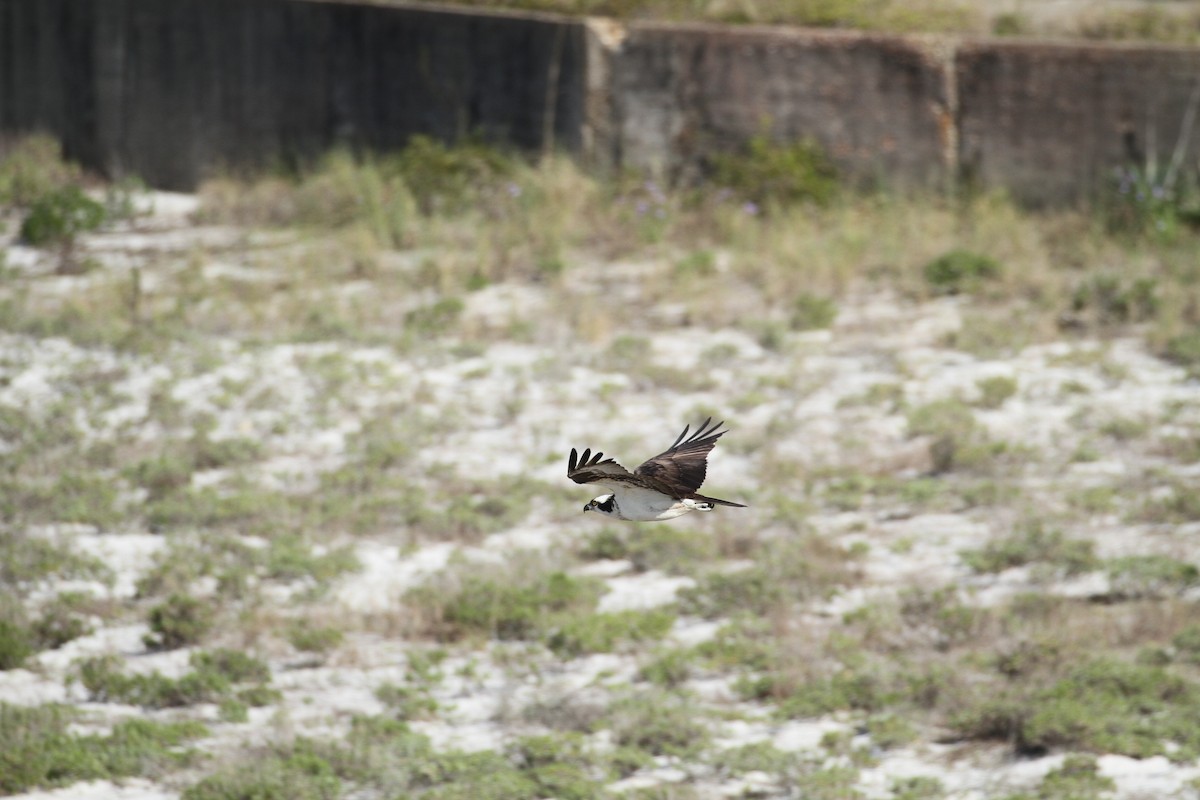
[662, 488]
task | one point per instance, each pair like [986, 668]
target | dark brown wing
[589, 468]
[681, 468]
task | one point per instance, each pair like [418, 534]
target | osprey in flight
[662, 488]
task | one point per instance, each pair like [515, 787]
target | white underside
[643, 505]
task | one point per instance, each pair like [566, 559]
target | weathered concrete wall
[173, 89]
[1051, 121]
[877, 104]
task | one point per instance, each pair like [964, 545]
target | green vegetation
[1151, 576]
[503, 608]
[276, 410]
[313, 639]
[60, 215]
[390, 759]
[958, 442]
[773, 174]
[995, 391]
[603, 632]
[216, 676]
[1032, 543]
[38, 750]
[960, 271]
[181, 620]
[1102, 706]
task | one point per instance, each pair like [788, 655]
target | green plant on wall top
[769, 172]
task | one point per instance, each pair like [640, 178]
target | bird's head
[601, 505]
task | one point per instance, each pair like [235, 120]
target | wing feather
[680, 469]
[588, 468]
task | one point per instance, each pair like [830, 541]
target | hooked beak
[588, 507]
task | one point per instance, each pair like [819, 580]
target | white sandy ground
[515, 419]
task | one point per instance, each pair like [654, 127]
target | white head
[602, 505]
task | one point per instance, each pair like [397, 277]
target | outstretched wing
[681, 468]
[589, 468]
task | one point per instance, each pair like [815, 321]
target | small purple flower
[1158, 192]
[513, 190]
[751, 209]
[642, 207]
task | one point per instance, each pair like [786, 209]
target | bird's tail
[704, 499]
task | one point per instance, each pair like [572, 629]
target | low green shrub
[1034, 543]
[812, 312]
[313, 639]
[60, 215]
[1150, 576]
[960, 271]
[502, 609]
[216, 676]
[38, 750]
[16, 642]
[768, 172]
[658, 724]
[1101, 706]
[604, 632]
[180, 620]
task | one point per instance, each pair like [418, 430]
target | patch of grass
[384, 757]
[957, 440]
[1101, 706]
[858, 689]
[1078, 778]
[313, 639]
[604, 632]
[960, 272]
[659, 724]
[671, 550]
[290, 558]
[1187, 644]
[435, 319]
[216, 676]
[1184, 349]
[754, 757]
[296, 775]
[1180, 504]
[62, 620]
[57, 217]
[16, 641]
[407, 702]
[180, 620]
[1125, 429]
[32, 168]
[890, 730]
[785, 572]
[918, 787]
[995, 391]
[1030, 544]
[1108, 300]
[37, 748]
[502, 608]
[810, 312]
[1150, 576]
[26, 559]
[668, 668]
[772, 173]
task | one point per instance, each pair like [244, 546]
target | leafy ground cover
[284, 512]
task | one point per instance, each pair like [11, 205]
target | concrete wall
[1052, 121]
[877, 104]
[173, 90]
